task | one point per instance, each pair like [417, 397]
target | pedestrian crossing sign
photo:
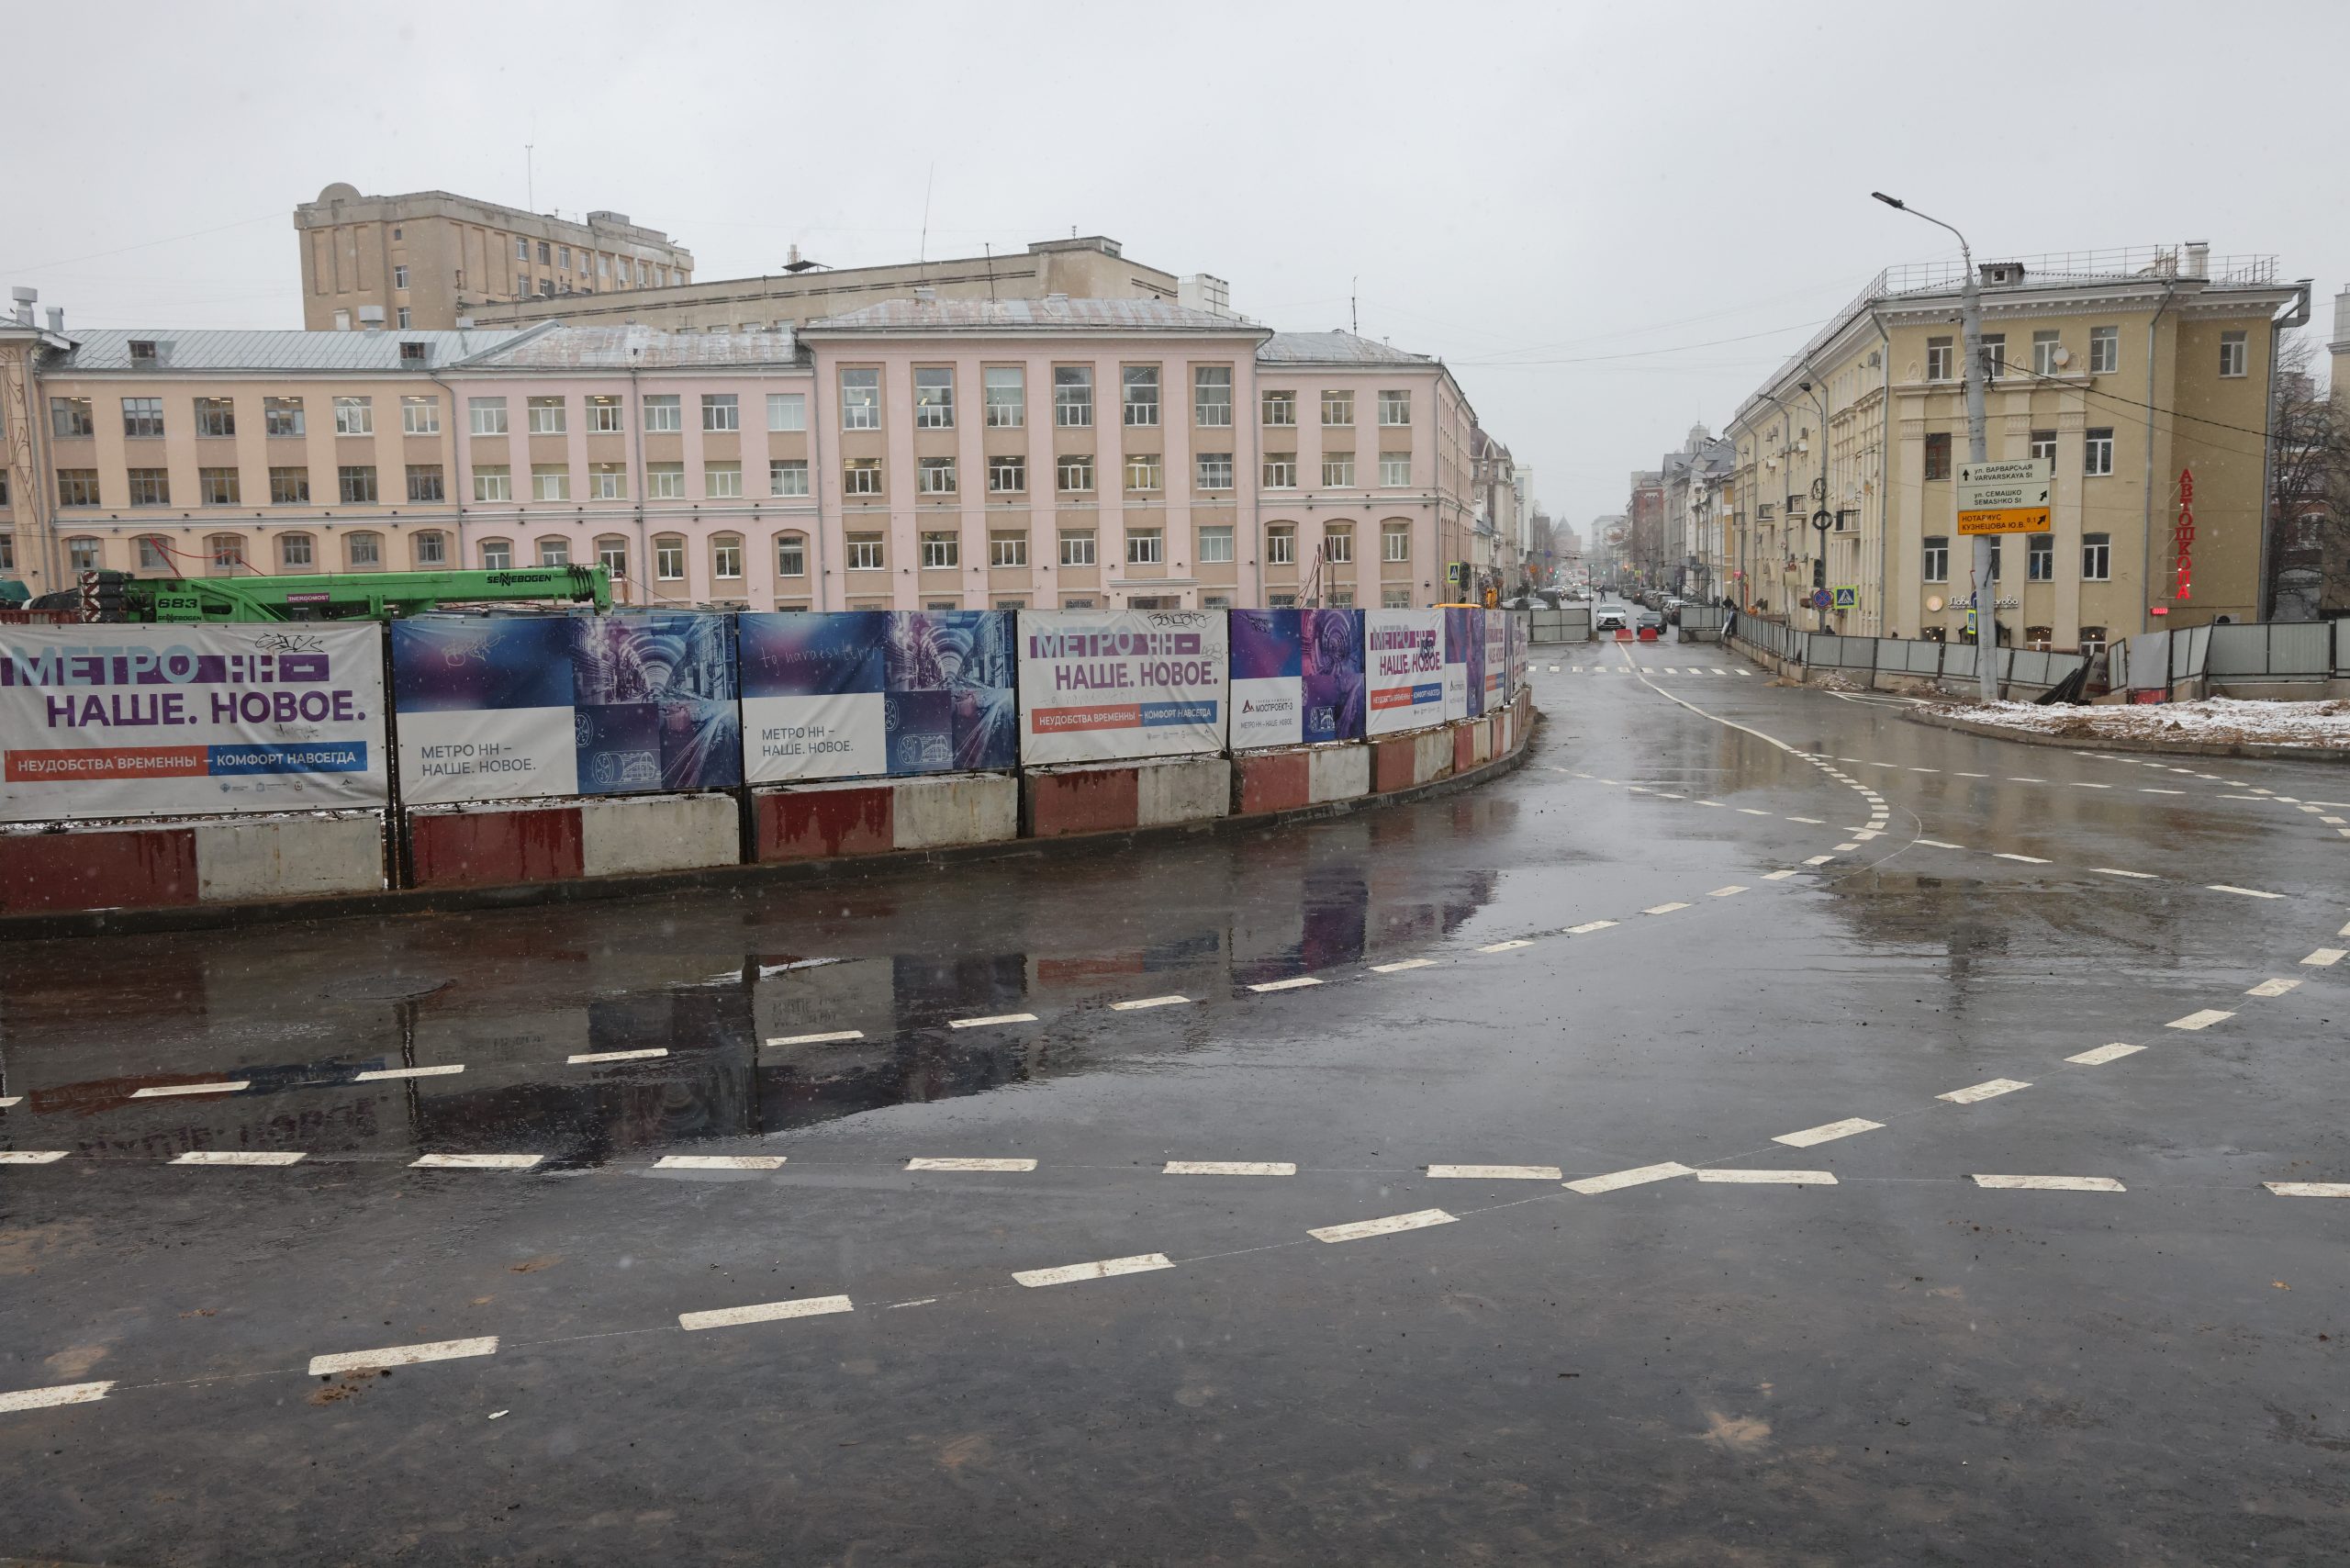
[1848, 598]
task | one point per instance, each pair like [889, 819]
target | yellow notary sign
[2007, 497]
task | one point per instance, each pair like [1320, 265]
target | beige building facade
[427, 261]
[2144, 375]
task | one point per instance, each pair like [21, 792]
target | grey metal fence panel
[1829, 651]
[2028, 666]
[2117, 666]
[2342, 646]
[1958, 661]
[2301, 649]
[2235, 650]
[2198, 650]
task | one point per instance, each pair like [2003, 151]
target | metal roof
[1052, 313]
[639, 348]
[1332, 348]
[179, 349]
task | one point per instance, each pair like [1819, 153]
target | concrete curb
[2247, 750]
[716, 878]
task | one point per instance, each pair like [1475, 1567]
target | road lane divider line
[402, 1355]
[765, 1312]
[1819, 860]
[1361, 1229]
[2203, 1019]
[1827, 1132]
[2247, 892]
[2274, 987]
[2309, 1189]
[589, 1058]
[1229, 1168]
[2117, 871]
[719, 1162]
[1976, 1092]
[982, 1023]
[55, 1394]
[32, 1156]
[1107, 1268]
[1588, 926]
[1511, 945]
[239, 1157]
[1291, 984]
[1778, 876]
[476, 1161]
[2050, 1183]
[1400, 965]
[1769, 1178]
[1141, 1003]
[1494, 1173]
[386, 1074]
[1815, 821]
[1663, 908]
[2326, 957]
[927, 1162]
[2104, 1054]
[231, 1086]
[1638, 1176]
[828, 1036]
[1725, 892]
[2027, 859]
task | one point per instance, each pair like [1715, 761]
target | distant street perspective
[838, 788]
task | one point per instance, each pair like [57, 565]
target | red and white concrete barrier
[487, 845]
[168, 864]
[1295, 776]
[880, 816]
[1112, 796]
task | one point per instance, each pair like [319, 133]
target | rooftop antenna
[530, 175]
[922, 252]
[1354, 321]
[990, 250]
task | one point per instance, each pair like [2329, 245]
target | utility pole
[1986, 591]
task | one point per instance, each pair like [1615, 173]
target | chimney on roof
[56, 319]
[2198, 259]
[25, 298]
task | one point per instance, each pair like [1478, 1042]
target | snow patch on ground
[2324, 727]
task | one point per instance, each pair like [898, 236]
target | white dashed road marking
[31, 1156]
[2054, 1184]
[1815, 821]
[1401, 964]
[1938, 844]
[158, 1094]
[1819, 860]
[2202, 1020]
[1588, 926]
[2027, 859]
[2282, 1189]
[1725, 892]
[1108, 1268]
[1494, 1172]
[1638, 1177]
[2273, 988]
[237, 1156]
[2117, 871]
[1229, 1168]
[1663, 908]
[719, 1162]
[765, 1312]
[826, 1038]
[476, 1162]
[60, 1393]
[402, 1355]
[923, 1163]
[1778, 876]
[992, 1018]
[384, 1074]
[1287, 984]
[1140, 1003]
[1990, 1091]
[2326, 957]
[1827, 1132]
[2104, 1054]
[1418, 1220]
[586, 1059]
[1511, 945]
[2247, 892]
[1771, 1178]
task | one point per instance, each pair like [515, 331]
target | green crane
[337, 596]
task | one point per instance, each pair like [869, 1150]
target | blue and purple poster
[1465, 660]
[1297, 677]
[521, 707]
[854, 694]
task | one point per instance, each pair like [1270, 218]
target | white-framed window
[726, 557]
[1073, 472]
[280, 416]
[722, 481]
[547, 417]
[227, 550]
[1144, 471]
[563, 253]
[941, 552]
[2044, 344]
[497, 554]
[493, 482]
[934, 398]
[862, 477]
[2234, 353]
[2039, 558]
[488, 415]
[420, 416]
[424, 483]
[865, 553]
[665, 481]
[669, 558]
[1073, 396]
[1280, 544]
[787, 410]
[721, 411]
[550, 481]
[607, 414]
[1215, 544]
[1995, 355]
[2105, 350]
[1337, 470]
[554, 551]
[289, 487]
[2043, 445]
[2097, 557]
[1077, 547]
[1395, 406]
[1146, 547]
[1211, 396]
[1280, 470]
[1007, 549]
[1395, 541]
[151, 553]
[861, 400]
[791, 554]
[1338, 408]
[431, 548]
[354, 481]
[1338, 543]
[1395, 470]
[1936, 563]
[404, 319]
[935, 477]
[1005, 387]
[664, 413]
[1213, 470]
[1279, 408]
[788, 476]
[1939, 354]
[295, 552]
[2097, 452]
[365, 550]
[214, 487]
[1007, 474]
[352, 416]
[1395, 598]
[1141, 385]
[400, 276]
[1340, 598]
[216, 416]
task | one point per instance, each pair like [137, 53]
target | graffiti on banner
[1099, 684]
[860, 694]
[1297, 676]
[1404, 651]
[531, 707]
[138, 721]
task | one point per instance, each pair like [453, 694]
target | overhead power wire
[143, 244]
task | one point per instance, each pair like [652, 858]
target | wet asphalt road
[1820, 914]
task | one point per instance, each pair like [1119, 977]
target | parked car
[1610, 618]
[1654, 618]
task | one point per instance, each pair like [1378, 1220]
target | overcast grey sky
[1613, 221]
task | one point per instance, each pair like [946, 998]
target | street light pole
[1986, 596]
[1820, 518]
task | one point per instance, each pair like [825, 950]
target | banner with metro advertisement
[177, 721]
[1297, 677]
[1497, 687]
[864, 693]
[1104, 685]
[1404, 658]
[1521, 640]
